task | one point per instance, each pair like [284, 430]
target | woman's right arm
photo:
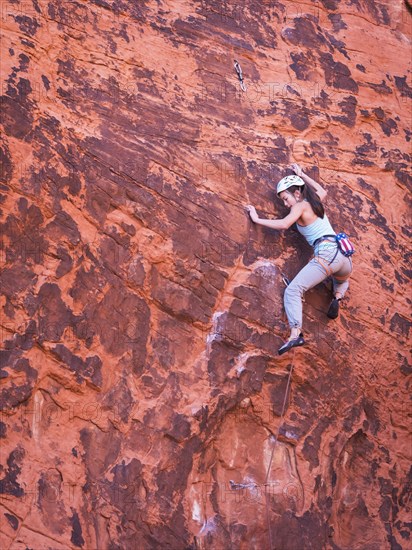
[318, 188]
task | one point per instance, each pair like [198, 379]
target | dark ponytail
[311, 196]
[314, 200]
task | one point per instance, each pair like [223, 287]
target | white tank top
[316, 229]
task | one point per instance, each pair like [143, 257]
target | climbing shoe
[333, 310]
[291, 343]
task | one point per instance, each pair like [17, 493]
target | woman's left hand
[252, 213]
[297, 169]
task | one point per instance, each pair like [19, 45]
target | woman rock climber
[303, 196]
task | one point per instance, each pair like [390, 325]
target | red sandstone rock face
[141, 311]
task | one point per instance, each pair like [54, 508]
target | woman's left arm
[284, 223]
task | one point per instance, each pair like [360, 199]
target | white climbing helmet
[289, 181]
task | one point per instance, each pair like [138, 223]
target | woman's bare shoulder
[308, 216]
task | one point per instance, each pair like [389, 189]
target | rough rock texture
[141, 311]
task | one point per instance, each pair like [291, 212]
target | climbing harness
[343, 245]
[342, 240]
[328, 270]
[274, 446]
[238, 69]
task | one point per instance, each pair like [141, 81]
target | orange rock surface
[143, 403]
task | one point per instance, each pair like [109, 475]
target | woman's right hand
[252, 213]
[297, 169]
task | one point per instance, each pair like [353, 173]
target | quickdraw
[285, 280]
[238, 69]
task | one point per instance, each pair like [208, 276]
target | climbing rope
[274, 446]
[286, 282]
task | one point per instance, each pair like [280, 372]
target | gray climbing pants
[317, 270]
